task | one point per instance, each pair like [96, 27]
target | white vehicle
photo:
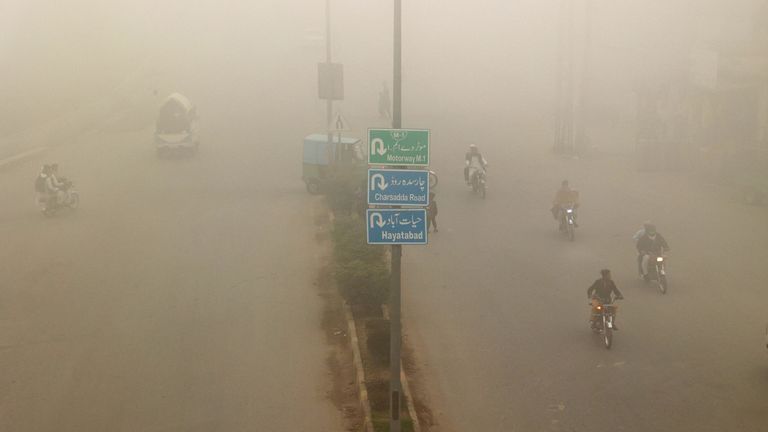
[176, 130]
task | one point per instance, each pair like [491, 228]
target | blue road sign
[396, 226]
[398, 187]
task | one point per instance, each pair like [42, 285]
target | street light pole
[395, 336]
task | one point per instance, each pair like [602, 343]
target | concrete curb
[8, 162]
[359, 371]
[406, 388]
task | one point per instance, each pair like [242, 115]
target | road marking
[20, 156]
[557, 407]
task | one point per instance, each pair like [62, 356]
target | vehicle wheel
[663, 284]
[607, 336]
[432, 180]
[571, 233]
[74, 201]
[482, 191]
[313, 187]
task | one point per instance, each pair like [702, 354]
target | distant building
[728, 116]
[711, 113]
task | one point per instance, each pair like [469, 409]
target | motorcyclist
[650, 244]
[636, 238]
[565, 197]
[474, 161]
[57, 186]
[41, 184]
[603, 292]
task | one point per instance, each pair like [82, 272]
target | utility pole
[329, 101]
[582, 134]
[395, 330]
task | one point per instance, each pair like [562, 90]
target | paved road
[496, 304]
[179, 297]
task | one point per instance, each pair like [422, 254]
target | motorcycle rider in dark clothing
[432, 212]
[603, 292]
[474, 161]
[650, 244]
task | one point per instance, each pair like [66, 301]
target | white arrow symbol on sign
[380, 222]
[377, 146]
[382, 183]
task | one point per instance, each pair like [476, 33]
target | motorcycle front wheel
[662, 284]
[607, 335]
[74, 201]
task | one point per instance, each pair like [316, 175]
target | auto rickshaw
[176, 129]
[322, 159]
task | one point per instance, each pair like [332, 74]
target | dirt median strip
[404, 384]
[359, 371]
[368, 370]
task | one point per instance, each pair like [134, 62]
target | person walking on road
[432, 212]
[385, 104]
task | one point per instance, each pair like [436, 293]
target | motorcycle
[602, 321]
[49, 205]
[478, 181]
[657, 272]
[568, 222]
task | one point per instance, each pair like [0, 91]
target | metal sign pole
[397, 250]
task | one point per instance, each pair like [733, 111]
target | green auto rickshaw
[322, 159]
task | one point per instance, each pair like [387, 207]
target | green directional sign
[408, 147]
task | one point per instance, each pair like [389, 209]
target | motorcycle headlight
[659, 259]
[569, 211]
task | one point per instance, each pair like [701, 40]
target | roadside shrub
[377, 334]
[363, 282]
[349, 238]
[360, 269]
[344, 191]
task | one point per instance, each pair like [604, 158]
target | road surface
[496, 305]
[179, 297]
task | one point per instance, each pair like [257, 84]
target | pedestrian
[432, 212]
